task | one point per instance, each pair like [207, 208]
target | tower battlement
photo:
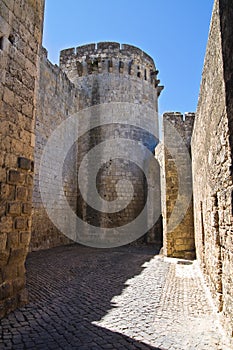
[110, 57]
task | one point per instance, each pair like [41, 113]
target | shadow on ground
[70, 287]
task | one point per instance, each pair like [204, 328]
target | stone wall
[212, 163]
[20, 40]
[177, 204]
[112, 73]
[59, 98]
[56, 102]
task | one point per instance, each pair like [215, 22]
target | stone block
[27, 109]
[7, 191]
[21, 193]
[24, 163]
[4, 11]
[29, 178]
[11, 161]
[4, 256]
[25, 238]
[9, 4]
[14, 209]
[18, 146]
[3, 240]
[15, 177]
[20, 223]
[27, 208]
[6, 224]
[3, 175]
[12, 240]
[8, 96]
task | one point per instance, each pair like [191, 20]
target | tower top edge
[107, 47]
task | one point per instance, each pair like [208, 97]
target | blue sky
[174, 33]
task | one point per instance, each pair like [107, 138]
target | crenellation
[108, 47]
[66, 53]
[135, 51]
[85, 49]
[89, 71]
[109, 57]
[36, 96]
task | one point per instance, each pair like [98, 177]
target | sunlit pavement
[123, 298]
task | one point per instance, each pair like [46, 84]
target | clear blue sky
[173, 32]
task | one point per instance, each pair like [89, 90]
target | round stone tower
[122, 78]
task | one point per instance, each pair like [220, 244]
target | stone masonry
[106, 73]
[212, 166]
[37, 96]
[56, 100]
[126, 298]
[178, 235]
[20, 41]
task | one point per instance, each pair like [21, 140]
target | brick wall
[20, 40]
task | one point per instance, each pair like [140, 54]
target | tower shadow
[71, 287]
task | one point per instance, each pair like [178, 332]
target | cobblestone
[125, 298]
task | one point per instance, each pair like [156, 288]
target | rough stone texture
[178, 236]
[56, 102]
[97, 75]
[20, 40]
[107, 73]
[212, 163]
[111, 75]
[127, 298]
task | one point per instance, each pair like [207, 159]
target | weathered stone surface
[212, 163]
[57, 100]
[97, 74]
[94, 84]
[109, 72]
[17, 104]
[25, 163]
[178, 237]
[122, 299]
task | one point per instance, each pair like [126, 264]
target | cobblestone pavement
[124, 298]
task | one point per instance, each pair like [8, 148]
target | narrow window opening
[130, 67]
[139, 74]
[11, 39]
[145, 74]
[121, 66]
[79, 69]
[110, 64]
[202, 225]
[215, 200]
[1, 42]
